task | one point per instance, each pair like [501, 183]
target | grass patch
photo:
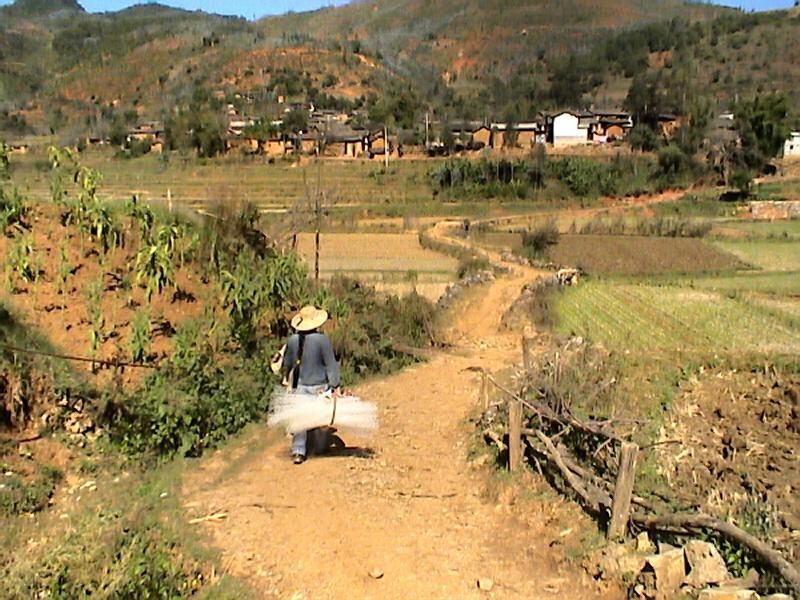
[126, 540]
[20, 495]
[769, 230]
[765, 254]
[696, 204]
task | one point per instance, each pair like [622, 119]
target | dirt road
[406, 514]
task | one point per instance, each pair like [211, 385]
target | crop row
[642, 318]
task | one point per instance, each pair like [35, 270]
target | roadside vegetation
[174, 318]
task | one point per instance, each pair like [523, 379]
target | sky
[253, 9]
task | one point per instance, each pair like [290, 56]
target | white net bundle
[299, 412]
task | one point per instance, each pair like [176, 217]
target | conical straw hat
[309, 318]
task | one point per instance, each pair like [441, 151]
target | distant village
[331, 133]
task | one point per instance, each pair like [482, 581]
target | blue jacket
[318, 365]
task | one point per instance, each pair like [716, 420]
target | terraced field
[643, 318]
[392, 262]
[272, 187]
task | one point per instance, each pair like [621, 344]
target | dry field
[393, 262]
[634, 255]
[626, 254]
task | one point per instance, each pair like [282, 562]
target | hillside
[469, 44]
[74, 73]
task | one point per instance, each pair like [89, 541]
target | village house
[610, 126]
[568, 128]
[668, 124]
[791, 147]
[343, 141]
[470, 135]
[305, 142]
[149, 131]
[274, 146]
[237, 125]
[18, 149]
[527, 134]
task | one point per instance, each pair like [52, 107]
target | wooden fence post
[527, 345]
[623, 490]
[514, 434]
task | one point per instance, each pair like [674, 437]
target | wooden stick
[623, 490]
[514, 435]
[596, 499]
[213, 517]
[484, 391]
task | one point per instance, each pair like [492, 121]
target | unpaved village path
[410, 506]
[404, 515]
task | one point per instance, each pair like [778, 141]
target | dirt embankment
[734, 441]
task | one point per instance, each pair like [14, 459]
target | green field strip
[675, 329]
[775, 283]
[628, 317]
[769, 255]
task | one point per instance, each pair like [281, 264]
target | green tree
[763, 126]
[295, 121]
[4, 163]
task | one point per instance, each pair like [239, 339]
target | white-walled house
[567, 128]
[791, 147]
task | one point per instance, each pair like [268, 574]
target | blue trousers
[318, 437]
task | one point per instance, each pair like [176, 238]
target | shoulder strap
[296, 367]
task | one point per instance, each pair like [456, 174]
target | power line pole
[318, 210]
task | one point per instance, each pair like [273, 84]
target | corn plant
[98, 221]
[64, 270]
[141, 215]
[154, 264]
[12, 210]
[21, 262]
[140, 336]
[94, 296]
[62, 162]
[254, 287]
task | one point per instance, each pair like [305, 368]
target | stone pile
[696, 570]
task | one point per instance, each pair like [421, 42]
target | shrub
[584, 177]
[369, 328]
[469, 265]
[197, 399]
[18, 496]
[537, 241]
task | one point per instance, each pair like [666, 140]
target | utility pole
[427, 128]
[385, 146]
[318, 210]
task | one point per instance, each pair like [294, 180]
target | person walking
[311, 368]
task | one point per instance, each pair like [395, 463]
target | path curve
[410, 518]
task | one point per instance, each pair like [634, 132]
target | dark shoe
[298, 458]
